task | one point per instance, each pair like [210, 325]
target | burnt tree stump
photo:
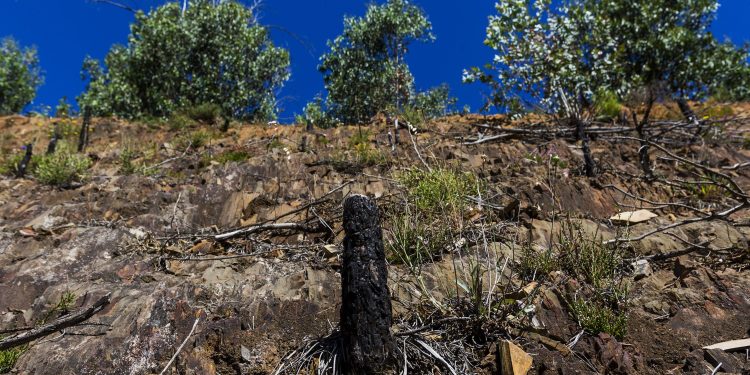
[83, 135]
[365, 300]
[52, 146]
[21, 168]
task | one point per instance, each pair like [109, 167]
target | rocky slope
[140, 227]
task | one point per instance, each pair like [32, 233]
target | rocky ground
[142, 227]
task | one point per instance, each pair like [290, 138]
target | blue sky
[64, 32]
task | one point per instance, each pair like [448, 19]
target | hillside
[497, 240]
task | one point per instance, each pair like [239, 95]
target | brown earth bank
[142, 226]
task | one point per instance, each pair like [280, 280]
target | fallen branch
[264, 227]
[59, 324]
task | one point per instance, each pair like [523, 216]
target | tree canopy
[206, 54]
[20, 76]
[581, 47]
[365, 71]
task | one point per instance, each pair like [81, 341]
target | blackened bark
[309, 127]
[365, 300]
[588, 161]
[691, 117]
[643, 152]
[53, 141]
[225, 124]
[21, 170]
[83, 136]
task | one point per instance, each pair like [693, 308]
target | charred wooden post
[225, 124]
[83, 136]
[21, 169]
[52, 146]
[588, 161]
[365, 299]
[691, 117]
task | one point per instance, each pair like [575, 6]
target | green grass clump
[232, 155]
[439, 189]
[607, 105]
[536, 264]
[205, 113]
[62, 167]
[596, 318]
[9, 357]
[10, 163]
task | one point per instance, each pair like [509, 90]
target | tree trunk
[365, 299]
[643, 151]
[52, 146]
[21, 170]
[690, 116]
[83, 136]
[588, 161]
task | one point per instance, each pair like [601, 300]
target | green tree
[207, 54]
[20, 76]
[365, 71]
[581, 47]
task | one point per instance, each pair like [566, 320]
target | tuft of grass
[205, 113]
[606, 104]
[195, 139]
[535, 265]
[412, 241]
[439, 189]
[595, 318]
[9, 357]
[232, 155]
[62, 167]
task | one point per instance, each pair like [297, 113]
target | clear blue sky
[65, 31]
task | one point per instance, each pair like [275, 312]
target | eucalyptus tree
[556, 57]
[180, 56]
[365, 70]
[20, 76]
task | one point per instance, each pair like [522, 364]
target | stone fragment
[641, 268]
[633, 217]
[513, 360]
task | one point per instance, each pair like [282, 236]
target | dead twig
[169, 364]
[59, 324]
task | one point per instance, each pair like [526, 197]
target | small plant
[67, 299]
[205, 113]
[595, 318]
[232, 155]
[275, 143]
[63, 108]
[127, 158]
[537, 264]
[607, 105]
[413, 241]
[439, 188]
[194, 140]
[62, 167]
[9, 357]
[314, 114]
[10, 163]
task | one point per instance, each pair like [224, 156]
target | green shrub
[20, 76]
[205, 113]
[315, 114]
[537, 264]
[439, 188]
[10, 163]
[606, 104]
[232, 155]
[213, 52]
[62, 167]
[9, 357]
[596, 318]
[364, 72]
